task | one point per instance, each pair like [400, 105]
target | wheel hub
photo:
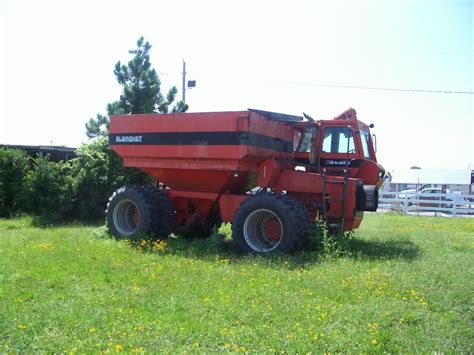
[272, 229]
[263, 230]
[126, 217]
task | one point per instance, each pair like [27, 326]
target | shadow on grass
[384, 250]
[218, 248]
[321, 248]
[47, 222]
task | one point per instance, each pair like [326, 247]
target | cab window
[305, 145]
[338, 140]
[365, 138]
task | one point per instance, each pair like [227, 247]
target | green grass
[402, 284]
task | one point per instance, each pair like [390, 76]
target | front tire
[271, 222]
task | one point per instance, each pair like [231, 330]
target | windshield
[338, 140]
[365, 138]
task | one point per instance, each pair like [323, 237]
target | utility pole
[190, 84]
[184, 81]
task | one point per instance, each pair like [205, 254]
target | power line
[371, 87]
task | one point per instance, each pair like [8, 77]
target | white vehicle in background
[439, 198]
[407, 195]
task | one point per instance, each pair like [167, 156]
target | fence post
[405, 204]
[454, 207]
[417, 202]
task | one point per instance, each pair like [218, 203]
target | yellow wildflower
[119, 347]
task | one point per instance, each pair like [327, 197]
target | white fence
[413, 202]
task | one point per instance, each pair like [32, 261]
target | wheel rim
[126, 217]
[263, 230]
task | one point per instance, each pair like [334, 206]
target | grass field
[401, 284]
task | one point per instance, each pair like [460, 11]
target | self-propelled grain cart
[267, 173]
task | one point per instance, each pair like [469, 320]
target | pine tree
[141, 91]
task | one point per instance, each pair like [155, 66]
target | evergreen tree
[141, 91]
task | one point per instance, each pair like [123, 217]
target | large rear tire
[164, 223]
[271, 222]
[133, 212]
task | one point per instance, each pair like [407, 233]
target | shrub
[48, 191]
[98, 172]
[62, 191]
[329, 245]
[14, 164]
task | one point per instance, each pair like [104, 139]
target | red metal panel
[269, 171]
[193, 194]
[312, 183]
[353, 223]
[153, 163]
[369, 173]
[176, 122]
[200, 122]
[228, 205]
[190, 164]
[200, 180]
[182, 152]
[278, 129]
[190, 205]
[301, 181]
[164, 154]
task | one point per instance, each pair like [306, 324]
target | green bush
[48, 191]
[57, 192]
[14, 164]
[97, 173]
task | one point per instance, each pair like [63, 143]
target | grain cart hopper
[267, 173]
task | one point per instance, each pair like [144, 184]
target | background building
[452, 180]
[55, 153]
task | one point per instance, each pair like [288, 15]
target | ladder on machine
[344, 197]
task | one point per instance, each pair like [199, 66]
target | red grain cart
[267, 173]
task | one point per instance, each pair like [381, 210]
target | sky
[57, 60]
